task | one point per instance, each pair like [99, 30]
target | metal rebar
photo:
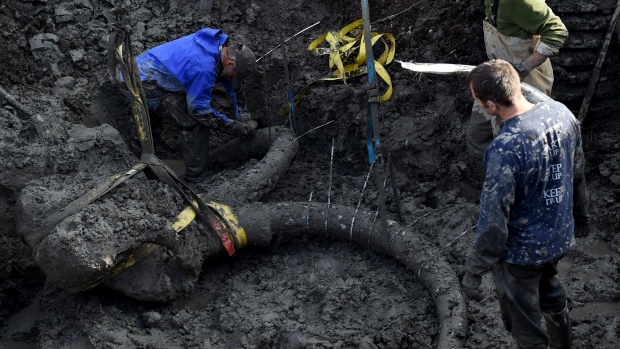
[308, 212]
[273, 49]
[329, 190]
[399, 13]
[461, 234]
[372, 225]
[375, 220]
[360, 202]
[262, 39]
[316, 128]
[289, 89]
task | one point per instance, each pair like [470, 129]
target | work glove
[244, 129]
[471, 286]
[582, 230]
[521, 70]
[582, 225]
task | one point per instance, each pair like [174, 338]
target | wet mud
[317, 290]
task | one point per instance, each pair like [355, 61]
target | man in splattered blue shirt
[533, 204]
[178, 79]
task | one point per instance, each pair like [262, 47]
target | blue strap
[372, 132]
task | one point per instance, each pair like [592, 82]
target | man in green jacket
[525, 33]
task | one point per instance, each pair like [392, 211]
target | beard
[227, 72]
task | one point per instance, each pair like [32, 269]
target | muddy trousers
[525, 294]
[194, 133]
[195, 142]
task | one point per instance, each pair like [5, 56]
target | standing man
[533, 204]
[178, 78]
[524, 33]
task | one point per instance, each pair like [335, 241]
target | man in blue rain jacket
[178, 79]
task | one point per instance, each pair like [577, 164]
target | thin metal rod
[289, 90]
[399, 13]
[372, 226]
[329, 190]
[461, 234]
[273, 49]
[262, 39]
[394, 188]
[308, 212]
[375, 219]
[314, 129]
[359, 202]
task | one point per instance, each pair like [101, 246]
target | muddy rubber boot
[559, 329]
[195, 152]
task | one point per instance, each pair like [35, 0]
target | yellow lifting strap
[223, 212]
[347, 57]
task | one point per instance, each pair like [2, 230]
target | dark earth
[309, 292]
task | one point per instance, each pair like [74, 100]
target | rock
[142, 15]
[77, 55]
[62, 14]
[151, 318]
[43, 41]
[82, 15]
[83, 3]
[65, 81]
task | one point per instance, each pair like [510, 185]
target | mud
[312, 291]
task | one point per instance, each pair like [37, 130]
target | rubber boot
[195, 152]
[559, 329]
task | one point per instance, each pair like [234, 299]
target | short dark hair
[495, 81]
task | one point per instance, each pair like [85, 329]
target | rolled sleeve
[535, 17]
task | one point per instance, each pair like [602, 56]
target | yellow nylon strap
[386, 77]
[347, 54]
[354, 27]
[347, 57]
[185, 217]
[390, 49]
[334, 58]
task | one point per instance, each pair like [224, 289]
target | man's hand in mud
[244, 129]
[471, 286]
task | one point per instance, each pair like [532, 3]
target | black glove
[244, 129]
[582, 231]
[521, 70]
[582, 224]
[471, 286]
